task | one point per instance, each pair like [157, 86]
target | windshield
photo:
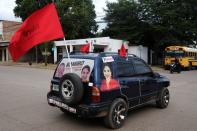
[175, 53]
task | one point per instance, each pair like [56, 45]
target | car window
[141, 67]
[124, 68]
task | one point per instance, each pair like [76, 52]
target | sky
[7, 6]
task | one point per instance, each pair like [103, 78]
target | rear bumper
[82, 110]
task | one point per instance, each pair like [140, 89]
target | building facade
[7, 30]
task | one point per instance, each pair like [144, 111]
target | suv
[105, 85]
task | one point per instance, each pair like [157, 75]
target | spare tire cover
[71, 88]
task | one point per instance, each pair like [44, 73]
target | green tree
[76, 16]
[173, 20]
[152, 22]
[124, 21]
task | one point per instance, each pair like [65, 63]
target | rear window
[82, 67]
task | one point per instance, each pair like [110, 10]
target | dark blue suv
[105, 85]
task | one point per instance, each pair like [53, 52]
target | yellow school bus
[187, 56]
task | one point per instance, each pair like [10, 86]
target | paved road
[23, 105]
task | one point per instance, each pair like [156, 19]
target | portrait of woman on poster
[60, 70]
[108, 83]
[85, 73]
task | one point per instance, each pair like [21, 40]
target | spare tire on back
[71, 88]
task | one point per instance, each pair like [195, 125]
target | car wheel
[71, 88]
[117, 114]
[163, 98]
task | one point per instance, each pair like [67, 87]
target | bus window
[175, 53]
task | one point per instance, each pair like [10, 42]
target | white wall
[1, 27]
[109, 45]
[115, 45]
[139, 51]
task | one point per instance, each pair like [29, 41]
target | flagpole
[90, 49]
[68, 55]
[92, 46]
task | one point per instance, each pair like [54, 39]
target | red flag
[85, 48]
[122, 51]
[43, 25]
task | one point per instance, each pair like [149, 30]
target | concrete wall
[115, 45]
[109, 45]
[9, 28]
[1, 27]
[139, 51]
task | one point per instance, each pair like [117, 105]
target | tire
[71, 89]
[163, 98]
[117, 114]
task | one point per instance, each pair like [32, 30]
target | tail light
[95, 95]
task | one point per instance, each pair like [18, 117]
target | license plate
[55, 87]
[62, 105]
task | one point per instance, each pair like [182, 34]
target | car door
[129, 84]
[147, 82]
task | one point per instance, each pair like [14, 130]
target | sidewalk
[157, 68]
[26, 64]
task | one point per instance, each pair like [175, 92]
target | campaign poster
[81, 67]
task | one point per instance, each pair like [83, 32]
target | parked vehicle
[106, 85]
[186, 56]
[174, 67]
